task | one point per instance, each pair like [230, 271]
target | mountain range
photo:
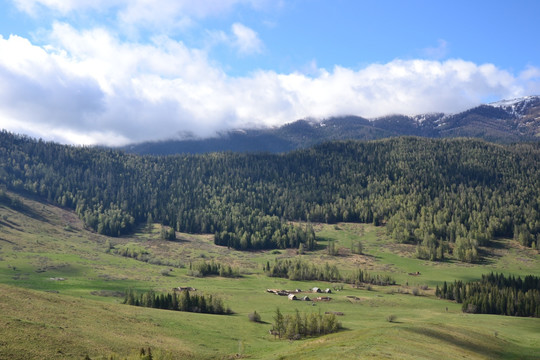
[504, 121]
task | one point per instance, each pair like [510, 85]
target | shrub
[195, 273]
[391, 318]
[254, 317]
[470, 308]
[415, 291]
[402, 290]
[166, 272]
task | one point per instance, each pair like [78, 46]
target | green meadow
[62, 286]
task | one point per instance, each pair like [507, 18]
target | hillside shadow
[17, 205]
[8, 241]
[180, 240]
[498, 244]
[486, 258]
[9, 224]
[484, 350]
[142, 234]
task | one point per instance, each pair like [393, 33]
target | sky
[113, 72]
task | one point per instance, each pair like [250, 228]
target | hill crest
[505, 121]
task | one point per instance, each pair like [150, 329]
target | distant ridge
[504, 121]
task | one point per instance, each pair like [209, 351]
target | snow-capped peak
[513, 102]
[517, 106]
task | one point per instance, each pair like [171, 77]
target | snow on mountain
[503, 121]
[511, 102]
[434, 117]
[518, 106]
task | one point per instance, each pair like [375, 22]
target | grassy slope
[43, 317]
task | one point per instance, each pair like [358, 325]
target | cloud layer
[138, 10]
[89, 87]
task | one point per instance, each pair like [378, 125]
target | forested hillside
[430, 192]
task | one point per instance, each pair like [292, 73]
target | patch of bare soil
[403, 250]
[364, 261]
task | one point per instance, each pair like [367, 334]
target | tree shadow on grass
[263, 322]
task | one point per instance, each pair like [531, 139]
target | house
[292, 297]
[278, 292]
[305, 298]
[316, 290]
[181, 288]
[328, 291]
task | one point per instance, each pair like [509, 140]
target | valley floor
[61, 293]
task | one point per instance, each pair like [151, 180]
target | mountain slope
[505, 121]
[412, 184]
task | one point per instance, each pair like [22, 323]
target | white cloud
[246, 40]
[438, 52]
[241, 38]
[135, 14]
[530, 73]
[89, 87]
[63, 6]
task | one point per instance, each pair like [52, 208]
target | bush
[470, 308]
[415, 291]
[166, 272]
[195, 273]
[391, 318]
[402, 290]
[254, 317]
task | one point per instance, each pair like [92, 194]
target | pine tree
[185, 301]
[279, 324]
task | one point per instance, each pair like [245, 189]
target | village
[294, 294]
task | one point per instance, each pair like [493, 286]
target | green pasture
[61, 286]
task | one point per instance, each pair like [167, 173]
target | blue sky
[118, 71]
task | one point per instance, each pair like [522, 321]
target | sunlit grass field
[61, 297]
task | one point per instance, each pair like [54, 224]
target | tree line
[495, 294]
[206, 304]
[296, 269]
[300, 270]
[297, 326]
[448, 196]
[208, 268]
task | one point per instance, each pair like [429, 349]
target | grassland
[61, 291]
